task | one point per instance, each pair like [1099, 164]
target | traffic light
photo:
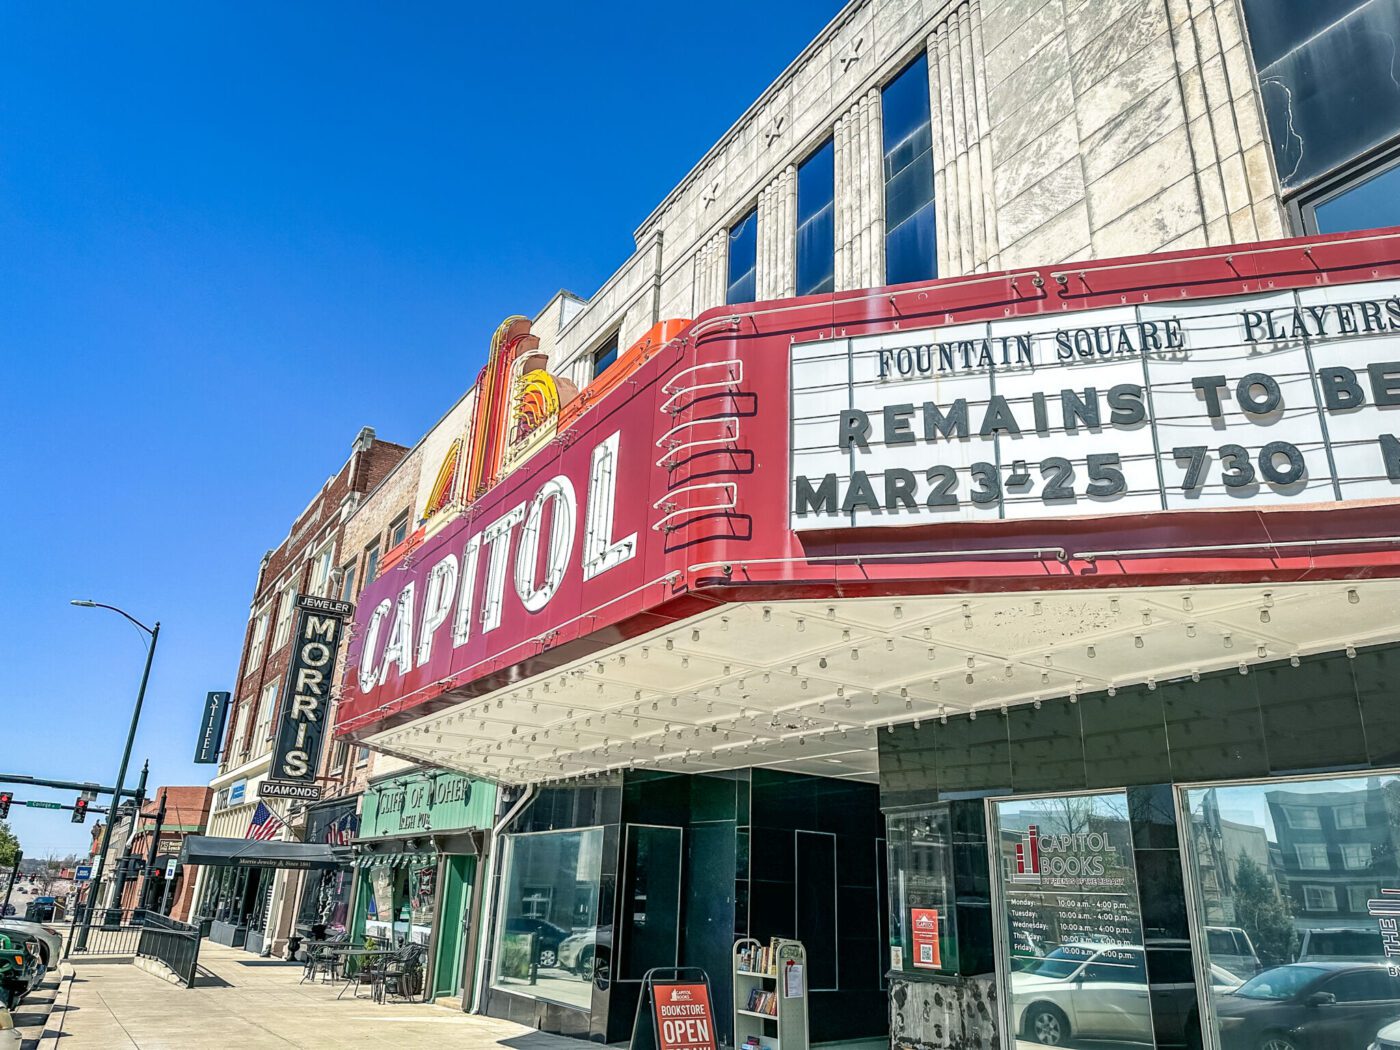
[80, 810]
[6, 797]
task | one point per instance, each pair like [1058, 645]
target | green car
[20, 969]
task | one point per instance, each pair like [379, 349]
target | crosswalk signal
[6, 797]
[80, 810]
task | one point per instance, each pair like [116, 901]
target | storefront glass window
[550, 943]
[923, 935]
[326, 901]
[379, 912]
[422, 901]
[1297, 887]
[1068, 891]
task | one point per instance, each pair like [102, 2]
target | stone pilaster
[710, 272]
[1235, 171]
[860, 195]
[777, 236]
[964, 201]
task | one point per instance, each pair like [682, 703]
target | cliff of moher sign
[1276, 398]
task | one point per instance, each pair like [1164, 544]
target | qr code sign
[925, 953]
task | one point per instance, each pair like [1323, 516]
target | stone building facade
[1060, 130]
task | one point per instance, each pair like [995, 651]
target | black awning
[255, 853]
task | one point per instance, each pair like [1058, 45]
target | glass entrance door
[1296, 899]
[1073, 959]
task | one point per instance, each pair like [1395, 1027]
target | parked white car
[1100, 991]
[50, 939]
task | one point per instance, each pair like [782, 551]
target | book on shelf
[762, 1002]
[759, 959]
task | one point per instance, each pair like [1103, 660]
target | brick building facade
[303, 563]
[186, 813]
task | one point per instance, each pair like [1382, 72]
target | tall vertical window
[321, 572]
[255, 648]
[604, 356]
[240, 734]
[371, 562]
[1327, 80]
[743, 257]
[347, 582]
[910, 238]
[286, 606]
[816, 227]
[267, 703]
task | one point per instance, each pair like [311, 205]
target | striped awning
[396, 860]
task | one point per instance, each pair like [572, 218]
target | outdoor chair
[323, 958]
[369, 971]
[402, 973]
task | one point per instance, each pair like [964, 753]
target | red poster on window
[923, 923]
[684, 1020]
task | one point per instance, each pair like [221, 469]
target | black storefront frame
[1006, 1004]
[1201, 958]
[1195, 729]
[721, 813]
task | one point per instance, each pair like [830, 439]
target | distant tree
[1261, 913]
[8, 846]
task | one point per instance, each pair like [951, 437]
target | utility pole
[123, 871]
[14, 874]
[151, 853]
[154, 633]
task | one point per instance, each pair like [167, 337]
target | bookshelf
[766, 1016]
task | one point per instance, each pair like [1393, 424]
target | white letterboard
[1281, 398]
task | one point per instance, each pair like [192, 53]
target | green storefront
[423, 835]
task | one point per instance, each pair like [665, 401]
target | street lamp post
[154, 633]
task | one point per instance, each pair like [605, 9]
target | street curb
[50, 1036]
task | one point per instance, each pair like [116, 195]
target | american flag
[265, 824]
[343, 830]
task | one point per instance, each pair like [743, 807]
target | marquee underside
[804, 686]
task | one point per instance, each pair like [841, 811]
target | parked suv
[20, 969]
[1231, 948]
[1347, 944]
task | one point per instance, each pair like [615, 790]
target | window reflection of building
[1334, 847]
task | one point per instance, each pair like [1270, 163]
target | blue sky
[231, 234]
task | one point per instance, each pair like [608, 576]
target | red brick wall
[293, 561]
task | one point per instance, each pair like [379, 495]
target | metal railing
[174, 943]
[115, 931]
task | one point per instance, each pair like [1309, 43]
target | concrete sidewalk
[250, 1003]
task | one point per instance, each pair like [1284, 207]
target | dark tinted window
[910, 241]
[604, 356]
[1170, 965]
[816, 229]
[1326, 73]
[1360, 986]
[1374, 202]
[743, 254]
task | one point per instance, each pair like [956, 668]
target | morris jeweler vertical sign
[306, 700]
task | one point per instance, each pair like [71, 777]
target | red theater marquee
[1219, 417]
